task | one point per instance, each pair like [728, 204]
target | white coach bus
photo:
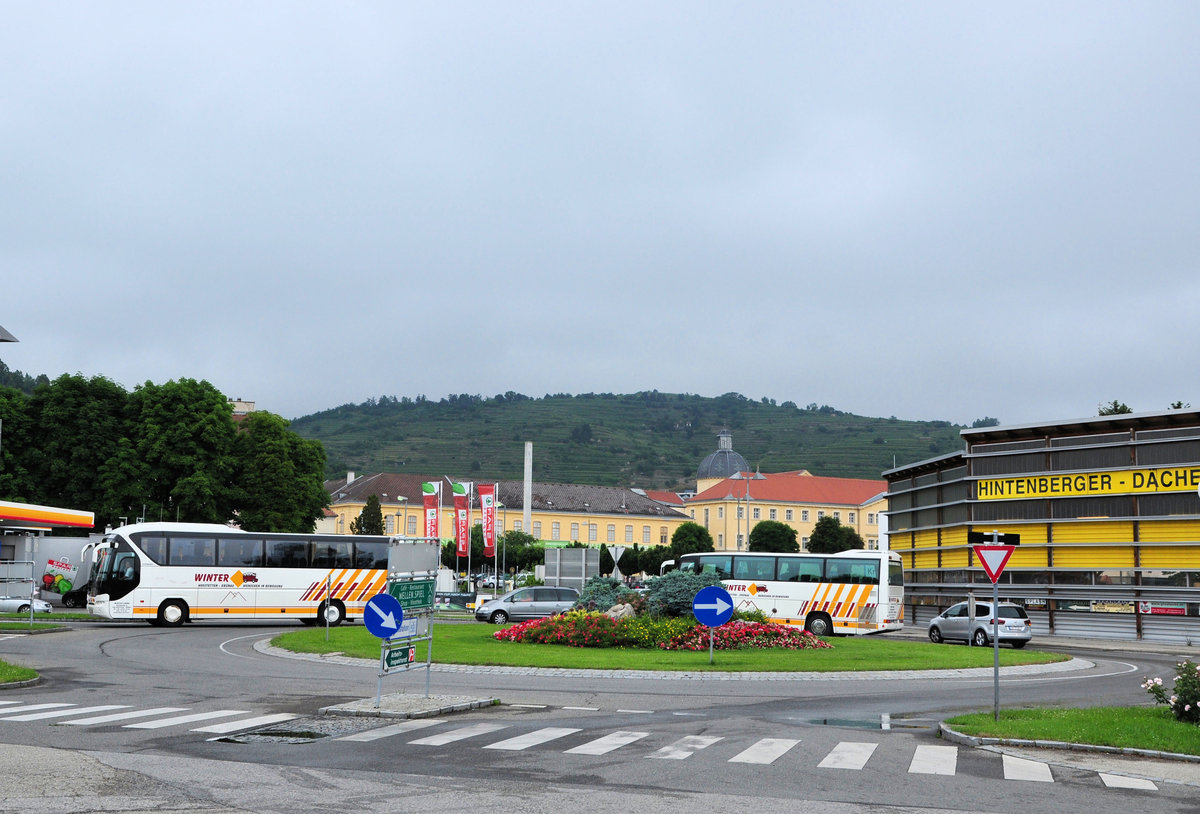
[850, 593]
[171, 573]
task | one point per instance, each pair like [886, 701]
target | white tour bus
[171, 573]
[851, 592]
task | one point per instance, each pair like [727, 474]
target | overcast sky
[928, 210]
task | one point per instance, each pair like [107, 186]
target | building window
[629, 534]
[872, 544]
[740, 515]
[721, 542]
[820, 514]
[612, 533]
[772, 514]
[837, 516]
[574, 532]
[804, 543]
[412, 526]
[662, 535]
[804, 515]
[757, 512]
[787, 515]
[517, 525]
[706, 518]
[592, 530]
[646, 535]
[720, 512]
[388, 520]
[555, 531]
[537, 529]
[740, 542]
[851, 516]
[871, 518]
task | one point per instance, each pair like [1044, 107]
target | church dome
[723, 463]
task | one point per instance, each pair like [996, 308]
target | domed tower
[723, 463]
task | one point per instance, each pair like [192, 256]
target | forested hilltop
[650, 440]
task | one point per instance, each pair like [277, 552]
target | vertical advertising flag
[431, 496]
[487, 505]
[462, 518]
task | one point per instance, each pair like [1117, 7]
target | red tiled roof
[670, 498]
[796, 487]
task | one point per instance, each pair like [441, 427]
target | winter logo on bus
[237, 578]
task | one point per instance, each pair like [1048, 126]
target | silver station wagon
[527, 603]
[956, 623]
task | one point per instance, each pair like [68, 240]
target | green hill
[650, 440]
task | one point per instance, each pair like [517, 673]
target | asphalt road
[210, 722]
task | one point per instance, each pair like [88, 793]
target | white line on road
[411, 725]
[124, 716]
[187, 719]
[934, 760]
[602, 746]
[848, 755]
[1018, 768]
[685, 747]
[61, 713]
[532, 738]
[458, 734]
[766, 751]
[248, 723]
[1120, 781]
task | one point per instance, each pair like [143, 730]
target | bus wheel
[819, 625]
[172, 613]
[333, 612]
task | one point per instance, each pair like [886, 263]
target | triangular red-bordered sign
[993, 558]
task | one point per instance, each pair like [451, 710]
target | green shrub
[1184, 701]
[673, 592]
[754, 615]
[648, 631]
[600, 594]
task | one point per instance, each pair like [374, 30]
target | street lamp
[401, 529]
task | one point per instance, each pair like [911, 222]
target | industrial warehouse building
[1108, 514]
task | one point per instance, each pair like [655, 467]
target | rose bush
[742, 635]
[1184, 699]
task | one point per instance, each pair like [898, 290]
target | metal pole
[710, 645]
[996, 648]
[328, 591]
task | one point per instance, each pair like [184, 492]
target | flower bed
[581, 629]
[737, 635]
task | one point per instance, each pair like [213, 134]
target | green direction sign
[414, 595]
[400, 655]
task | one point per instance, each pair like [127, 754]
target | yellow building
[731, 507]
[560, 513]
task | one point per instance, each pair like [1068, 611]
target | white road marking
[1018, 768]
[602, 746]
[532, 738]
[934, 760]
[60, 713]
[248, 723]
[685, 747]
[458, 734]
[29, 708]
[187, 719]
[410, 725]
[848, 755]
[124, 716]
[1117, 781]
[767, 750]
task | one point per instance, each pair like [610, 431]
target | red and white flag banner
[487, 504]
[431, 504]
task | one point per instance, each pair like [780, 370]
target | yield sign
[993, 558]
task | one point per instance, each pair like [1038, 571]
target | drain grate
[305, 730]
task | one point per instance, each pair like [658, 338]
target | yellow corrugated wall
[1115, 532]
[1186, 558]
[1167, 531]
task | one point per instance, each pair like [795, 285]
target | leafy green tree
[14, 440]
[690, 538]
[771, 535]
[370, 519]
[829, 537]
[74, 426]
[180, 463]
[651, 559]
[1114, 408]
[280, 477]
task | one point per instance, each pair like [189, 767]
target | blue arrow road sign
[383, 616]
[712, 606]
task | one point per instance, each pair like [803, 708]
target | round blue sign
[712, 606]
[383, 616]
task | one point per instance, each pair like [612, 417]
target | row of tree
[161, 452]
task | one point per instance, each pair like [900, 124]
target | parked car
[20, 604]
[955, 623]
[527, 603]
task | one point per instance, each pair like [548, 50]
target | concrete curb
[400, 705]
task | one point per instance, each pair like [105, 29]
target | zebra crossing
[68, 714]
[927, 759]
[854, 756]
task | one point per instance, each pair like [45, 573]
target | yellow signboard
[1091, 484]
